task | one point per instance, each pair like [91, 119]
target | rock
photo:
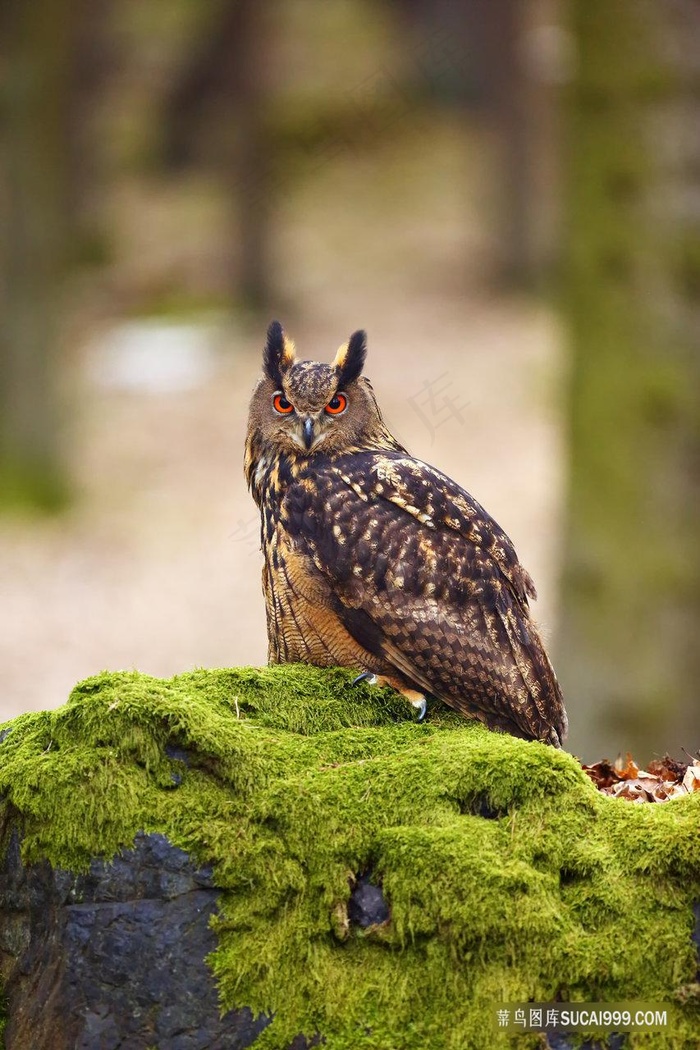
[614, 1041]
[115, 958]
[367, 906]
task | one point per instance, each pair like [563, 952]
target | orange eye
[336, 405]
[281, 405]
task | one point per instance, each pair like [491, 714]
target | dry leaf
[666, 778]
[691, 780]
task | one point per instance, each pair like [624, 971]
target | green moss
[295, 781]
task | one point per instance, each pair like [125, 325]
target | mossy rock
[508, 876]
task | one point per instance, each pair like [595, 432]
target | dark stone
[564, 1041]
[300, 1042]
[479, 806]
[367, 905]
[115, 959]
[177, 754]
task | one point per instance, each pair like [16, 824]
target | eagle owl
[377, 561]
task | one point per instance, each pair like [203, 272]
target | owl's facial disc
[309, 430]
[310, 401]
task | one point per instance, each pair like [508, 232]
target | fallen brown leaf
[664, 779]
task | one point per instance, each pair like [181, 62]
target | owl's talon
[421, 707]
[366, 676]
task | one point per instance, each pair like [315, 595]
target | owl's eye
[281, 405]
[336, 405]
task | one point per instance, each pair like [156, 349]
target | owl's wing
[423, 577]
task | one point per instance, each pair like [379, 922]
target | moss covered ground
[508, 875]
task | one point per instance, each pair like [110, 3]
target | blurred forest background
[504, 193]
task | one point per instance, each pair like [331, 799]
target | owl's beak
[308, 432]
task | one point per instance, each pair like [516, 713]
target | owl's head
[303, 408]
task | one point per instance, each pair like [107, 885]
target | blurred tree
[35, 43]
[224, 77]
[500, 69]
[629, 652]
[94, 57]
[508, 95]
[48, 85]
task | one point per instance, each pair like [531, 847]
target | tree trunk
[508, 90]
[629, 656]
[226, 77]
[250, 185]
[33, 103]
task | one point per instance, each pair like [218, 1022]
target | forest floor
[156, 564]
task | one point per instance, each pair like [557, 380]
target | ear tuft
[350, 359]
[279, 353]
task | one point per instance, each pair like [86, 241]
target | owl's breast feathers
[420, 576]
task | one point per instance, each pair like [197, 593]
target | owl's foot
[414, 698]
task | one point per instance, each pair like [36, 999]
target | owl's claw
[366, 676]
[421, 707]
[414, 698]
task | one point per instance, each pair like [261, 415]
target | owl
[376, 561]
